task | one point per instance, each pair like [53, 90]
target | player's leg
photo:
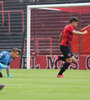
[63, 69]
[69, 60]
[59, 58]
[68, 56]
[73, 59]
[1, 75]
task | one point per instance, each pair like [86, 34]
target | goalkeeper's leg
[8, 72]
[1, 75]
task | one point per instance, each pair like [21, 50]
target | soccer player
[65, 42]
[6, 58]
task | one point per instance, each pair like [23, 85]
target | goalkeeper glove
[9, 75]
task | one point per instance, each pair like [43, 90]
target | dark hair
[73, 19]
[16, 50]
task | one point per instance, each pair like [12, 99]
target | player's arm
[3, 66]
[8, 70]
[60, 37]
[78, 32]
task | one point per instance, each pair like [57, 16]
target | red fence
[1, 3]
[37, 44]
[14, 11]
[45, 40]
[85, 42]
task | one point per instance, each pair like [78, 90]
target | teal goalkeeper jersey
[5, 58]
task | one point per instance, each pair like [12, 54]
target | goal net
[45, 23]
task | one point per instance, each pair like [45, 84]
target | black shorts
[1, 74]
[66, 51]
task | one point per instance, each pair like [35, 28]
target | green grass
[44, 85]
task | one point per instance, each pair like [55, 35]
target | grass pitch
[44, 85]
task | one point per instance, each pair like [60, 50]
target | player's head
[74, 21]
[15, 53]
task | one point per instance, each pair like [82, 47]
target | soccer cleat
[61, 57]
[61, 76]
[56, 58]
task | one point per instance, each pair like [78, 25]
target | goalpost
[29, 7]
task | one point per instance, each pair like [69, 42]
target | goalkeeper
[6, 58]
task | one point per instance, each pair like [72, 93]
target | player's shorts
[66, 51]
